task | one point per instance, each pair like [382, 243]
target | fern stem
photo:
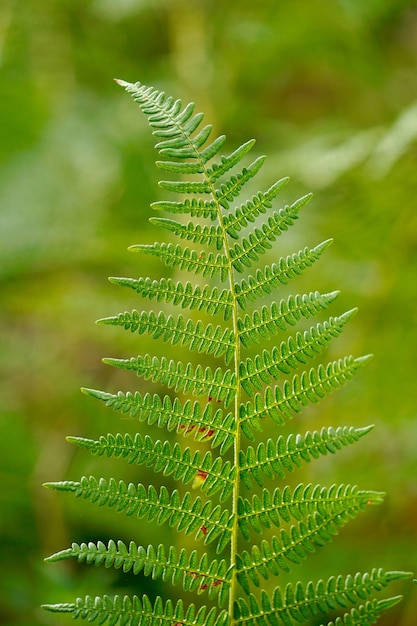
[237, 399]
[237, 445]
[237, 402]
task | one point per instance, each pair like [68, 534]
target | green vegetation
[329, 91]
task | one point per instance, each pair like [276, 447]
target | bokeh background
[329, 90]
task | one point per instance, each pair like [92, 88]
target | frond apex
[362, 360]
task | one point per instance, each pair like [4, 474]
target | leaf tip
[63, 607]
[49, 485]
[122, 82]
[345, 317]
[105, 320]
[74, 440]
[361, 360]
[365, 430]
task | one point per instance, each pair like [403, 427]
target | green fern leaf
[186, 418]
[206, 264]
[195, 207]
[246, 213]
[209, 300]
[205, 338]
[287, 454]
[275, 318]
[138, 612]
[367, 613]
[208, 521]
[210, 235]
[270, 365]
[284, 505]
[195, 573]
[185, 186]
[259, 241]
[212, 475]
[298, 604]
[219, 384]
[217, 170]
[233, 186]
[300, 391]
[294, 545]
[276, 275]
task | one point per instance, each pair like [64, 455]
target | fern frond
[199, 381]
[229, 236]
[278, 317]
[273, 459]
[139, 612]
[297, 604]
[188, 418]
[298, 392]
[250, 248]
[198, 336]
[270, 365]
[195, 573]
[213, 474]
[207, 299]
[274, 276]
[187, 515]
[284, 505]
[206, 264]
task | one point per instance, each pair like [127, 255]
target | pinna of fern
[223, 406]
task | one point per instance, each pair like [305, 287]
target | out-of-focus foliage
[329, 88]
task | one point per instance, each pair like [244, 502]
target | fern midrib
[237, 398]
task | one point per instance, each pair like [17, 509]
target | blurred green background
[329, 90]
